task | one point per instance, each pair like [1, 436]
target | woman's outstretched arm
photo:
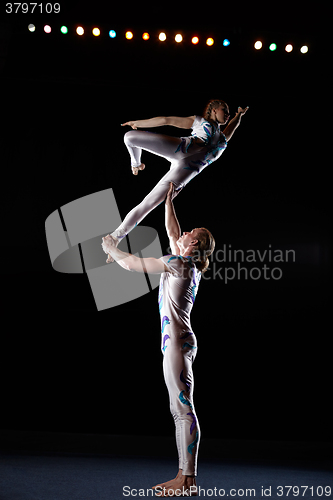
[159, 121]
[234, 123]
[171, 222]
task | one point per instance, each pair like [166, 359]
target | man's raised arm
[171, 222]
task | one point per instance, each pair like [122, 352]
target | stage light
[258, 45]
[145, 36]
[47, 28]
[195, 40]
[178, 38]
[272, 47]
[226, 42]
[304, 49]
[79, 30]
[112, 34]
[31, 27]
[210, 41]
[289, 47]
[129, 35]
[162, 37]
[64, 30]
[96, 32]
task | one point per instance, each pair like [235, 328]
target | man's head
[199, 244]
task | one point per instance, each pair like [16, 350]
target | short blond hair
[203, 249]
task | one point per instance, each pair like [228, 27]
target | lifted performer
[180, 277]
[188, 155]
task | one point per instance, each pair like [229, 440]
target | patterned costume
[188, 157]
[177, 292]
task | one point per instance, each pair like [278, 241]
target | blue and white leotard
[188, 157]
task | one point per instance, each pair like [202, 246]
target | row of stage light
[162, 37]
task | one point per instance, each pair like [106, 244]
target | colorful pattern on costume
[194, 422]
[179, 347]
[160, 296]
[192, 445]
[187, 156]
[184, 346]
[165, 338]
[165, 321]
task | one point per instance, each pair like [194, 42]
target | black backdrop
[262, 370]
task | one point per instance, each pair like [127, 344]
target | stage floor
[33, 473]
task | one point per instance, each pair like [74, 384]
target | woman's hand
[131, 124]
[242, 111]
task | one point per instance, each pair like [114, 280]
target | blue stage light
[226, 42]
[112, 34]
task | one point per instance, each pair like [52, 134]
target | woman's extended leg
[152, 200]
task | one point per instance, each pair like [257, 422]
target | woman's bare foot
[135, 170]
[180, 486]
[114, 242]
[109, 259]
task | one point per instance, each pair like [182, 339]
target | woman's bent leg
[158, 144]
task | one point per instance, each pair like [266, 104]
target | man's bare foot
[135, 170]
[180, 486]
[163, 485]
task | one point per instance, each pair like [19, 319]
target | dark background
[263, 368]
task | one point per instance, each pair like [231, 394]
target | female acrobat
[188, 155]
[180, 277]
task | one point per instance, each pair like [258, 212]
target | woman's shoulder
[201, 121]
[198, 119]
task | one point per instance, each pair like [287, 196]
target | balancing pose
[188, 155]
[180, 277]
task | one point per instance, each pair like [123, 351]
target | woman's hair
[203, 249]
[213, 103]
